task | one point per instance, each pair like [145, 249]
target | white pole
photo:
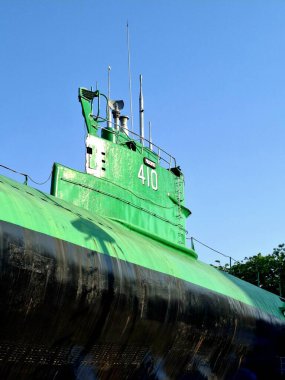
[141, 109]
[109, 116]
[150, 137]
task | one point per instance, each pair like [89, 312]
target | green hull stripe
[34, 210]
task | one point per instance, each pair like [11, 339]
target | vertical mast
[150, 136]
[130, 78]
[141, 113]
[109, 117]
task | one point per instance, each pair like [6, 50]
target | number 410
[150, 179]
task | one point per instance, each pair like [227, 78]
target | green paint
[122, 184]
[32, 209]
[123, 208]
[86, 99]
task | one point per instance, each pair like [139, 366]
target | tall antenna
[141, 109]
[149, 135]
[130, 78]
[109, 122]
[109, 83]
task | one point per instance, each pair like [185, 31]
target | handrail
[168, 160]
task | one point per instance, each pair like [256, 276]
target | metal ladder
[178, 185]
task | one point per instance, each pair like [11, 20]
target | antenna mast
[109, 122]
[141, 113]
[150, 135]
[130, 78]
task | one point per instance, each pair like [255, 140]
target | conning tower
[128, 178]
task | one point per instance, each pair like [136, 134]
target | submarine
[97, 281]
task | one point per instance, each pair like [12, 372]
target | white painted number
[154, 182]
[151, 177]
[141, 175]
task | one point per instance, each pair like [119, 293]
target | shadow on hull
[71, 313]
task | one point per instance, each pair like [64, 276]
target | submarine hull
[68, 312]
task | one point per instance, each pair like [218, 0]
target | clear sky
[214, 88]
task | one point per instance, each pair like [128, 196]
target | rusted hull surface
[71, 313]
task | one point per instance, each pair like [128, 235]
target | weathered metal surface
[123, 186]
[36, 211]
[67, 312]
[86, 297]
[128, 181]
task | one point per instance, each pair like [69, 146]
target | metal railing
[164, 158]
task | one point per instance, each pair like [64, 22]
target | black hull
[71, 313]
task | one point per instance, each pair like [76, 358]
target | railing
[164, 158]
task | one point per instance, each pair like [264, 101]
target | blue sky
[214, 87]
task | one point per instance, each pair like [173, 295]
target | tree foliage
[267, 272]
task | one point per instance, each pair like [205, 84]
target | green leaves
[267, 272]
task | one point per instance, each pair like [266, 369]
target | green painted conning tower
[97, 277]
[129, 179]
